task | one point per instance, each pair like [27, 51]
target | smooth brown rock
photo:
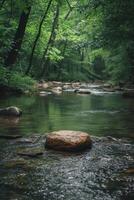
[68, 140]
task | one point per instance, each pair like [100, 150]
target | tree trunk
[17, 42]
[37, 37]
[50, 42]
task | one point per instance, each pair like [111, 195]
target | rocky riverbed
[103, 172]
[54, 87]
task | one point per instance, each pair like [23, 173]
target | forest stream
[105, 172]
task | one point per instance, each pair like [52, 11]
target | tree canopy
[68, 40]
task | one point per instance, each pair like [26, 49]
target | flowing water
[106, 172]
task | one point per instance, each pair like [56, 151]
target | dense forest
[77, 40]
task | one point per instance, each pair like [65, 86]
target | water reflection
[98, 115]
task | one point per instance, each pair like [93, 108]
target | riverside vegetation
[65, 40]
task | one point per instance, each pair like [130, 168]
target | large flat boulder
[65, 140]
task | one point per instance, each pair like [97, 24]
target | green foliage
[16, 80]
[4, 74]
[91, 36]
[19, 81]
[54, 54]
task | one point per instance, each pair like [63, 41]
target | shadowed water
[103, 173]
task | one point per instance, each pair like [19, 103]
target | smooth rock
[76, 85]
[107, 85]
[12, 111]
[31, 151]
[57, 84]
[57, 90]
[66, 87]
[70, 90]
[44, 93]
[109, 89]
[68, 140]
[83, 91]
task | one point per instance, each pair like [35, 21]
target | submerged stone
[68, 140]
[31, 151]
[14, 163]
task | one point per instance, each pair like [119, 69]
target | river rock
[109, 89]
[57, 90]
[31, 151]
[44, 93]
[68, 140]
[83, 91]
[66, 87]
[12, 111]
[57, 84]
[76, 85]
[107, 85]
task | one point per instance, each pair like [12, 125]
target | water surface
[103, 173]
[98, 115]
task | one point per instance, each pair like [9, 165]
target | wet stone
[68, 140]
[83, 91]
[11, 111]
[31, 151]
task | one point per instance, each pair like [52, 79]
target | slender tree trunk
[50, 42]
[82, 55]
[37, 37]
[70, 10]
[17, 42]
